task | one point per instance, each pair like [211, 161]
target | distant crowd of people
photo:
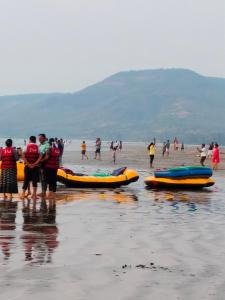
[212, 152]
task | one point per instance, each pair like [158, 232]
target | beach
[126, 243]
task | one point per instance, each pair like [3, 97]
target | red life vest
[8, 158]
[32, 153]
[53, 160]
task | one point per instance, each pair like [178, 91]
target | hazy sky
[65, 45]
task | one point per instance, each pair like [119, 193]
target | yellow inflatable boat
[186, 183]
[117, 178]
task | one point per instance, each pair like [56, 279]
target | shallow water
[127, 243]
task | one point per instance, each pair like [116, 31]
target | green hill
[134, 105]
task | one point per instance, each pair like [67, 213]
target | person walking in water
[203, 154]
[151, 148]
[83, 150]
[31, 158]
[8, 179]
[98, 145]
[215, 157]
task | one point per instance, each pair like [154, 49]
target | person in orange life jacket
[51, 165]
[8, 179]
[31, 157]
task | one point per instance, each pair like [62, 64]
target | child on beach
[83, 150]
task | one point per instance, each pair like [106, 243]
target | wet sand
[127, 243]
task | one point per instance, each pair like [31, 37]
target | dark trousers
[151, 159]
[203, 158]
[51, 179]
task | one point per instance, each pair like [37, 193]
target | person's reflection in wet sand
[40, 231]
[8, 211]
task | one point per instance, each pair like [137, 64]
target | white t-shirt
[203, 152]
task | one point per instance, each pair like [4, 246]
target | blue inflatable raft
[185, 172]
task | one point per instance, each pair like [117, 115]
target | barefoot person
[31, 157]
[215, 157]
[51, 165]
[83, 150]
[8, 179]
[43, 148]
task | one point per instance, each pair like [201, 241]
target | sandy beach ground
[127, 243]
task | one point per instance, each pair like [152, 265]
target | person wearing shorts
[31, 156]
[83, 150]
[98, 148]
[202, 154]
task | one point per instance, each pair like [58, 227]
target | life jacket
[8, 158]
[32, 153]
[53, 160]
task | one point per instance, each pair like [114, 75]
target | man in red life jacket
[31, 157]
[51, 165]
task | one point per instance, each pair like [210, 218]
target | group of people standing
[213, 153]
[41, 164]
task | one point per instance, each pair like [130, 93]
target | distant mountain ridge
[133, 105]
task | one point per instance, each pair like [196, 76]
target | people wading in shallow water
[31, 157]
[98, 145]
[151, 148]
[215, 157]
[83, 150]
[8, 179]
[203, 154]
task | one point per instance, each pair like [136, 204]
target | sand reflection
[200, 197]
[118, 196]
[40, 231]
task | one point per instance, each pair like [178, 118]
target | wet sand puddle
[126, 243]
